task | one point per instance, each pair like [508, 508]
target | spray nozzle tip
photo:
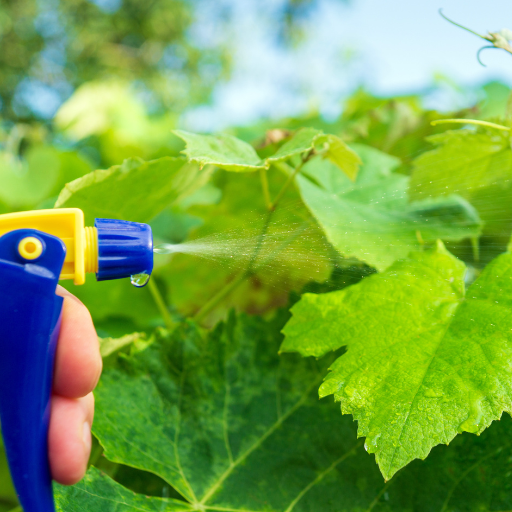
[124, 249]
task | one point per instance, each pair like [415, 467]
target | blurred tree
[49, 47]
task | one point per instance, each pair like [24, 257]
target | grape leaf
[304, 140]
[425, 359]
[108, 496]
[230, 424]
[475, 165]
[136, 190]
[224, 151]
[372, 218]
[232, 154]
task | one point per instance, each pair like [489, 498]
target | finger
[78, 362]
[69, 439]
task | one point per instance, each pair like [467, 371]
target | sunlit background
[390, 48]
[231, 62]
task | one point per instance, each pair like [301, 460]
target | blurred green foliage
[51, 47]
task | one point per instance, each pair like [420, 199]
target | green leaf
[302, 141]
[97, 107]
[340, 155]
[372, 218]
[135, 190]
[227, 421]
[425, 360]
[224, 151]
[72, 167]
[112, 118]
[232, 154]
[475, 165]
[40, 175]
[27, 182]
[108, 496]
[205, 406]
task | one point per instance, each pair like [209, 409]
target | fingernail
[87, 439]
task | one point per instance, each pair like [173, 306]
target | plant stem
[289, 181]
[161, 305]
[475, 244]
[259, 243]
[113, 472]
[420, 239]
[96, 453]
[471, 121]
[264, 186]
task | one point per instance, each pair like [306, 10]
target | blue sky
[390, 46]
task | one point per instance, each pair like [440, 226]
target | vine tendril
[490, 46]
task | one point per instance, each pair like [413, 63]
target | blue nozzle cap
[124, 249]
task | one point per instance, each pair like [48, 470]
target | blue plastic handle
[30, 314]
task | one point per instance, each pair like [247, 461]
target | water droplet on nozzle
[140, 280]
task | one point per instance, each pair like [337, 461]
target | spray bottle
[36, 250]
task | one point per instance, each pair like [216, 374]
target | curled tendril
[489, 47]
[497, 39]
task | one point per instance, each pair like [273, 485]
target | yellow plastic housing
[66, 224]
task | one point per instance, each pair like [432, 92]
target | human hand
[78, 367]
